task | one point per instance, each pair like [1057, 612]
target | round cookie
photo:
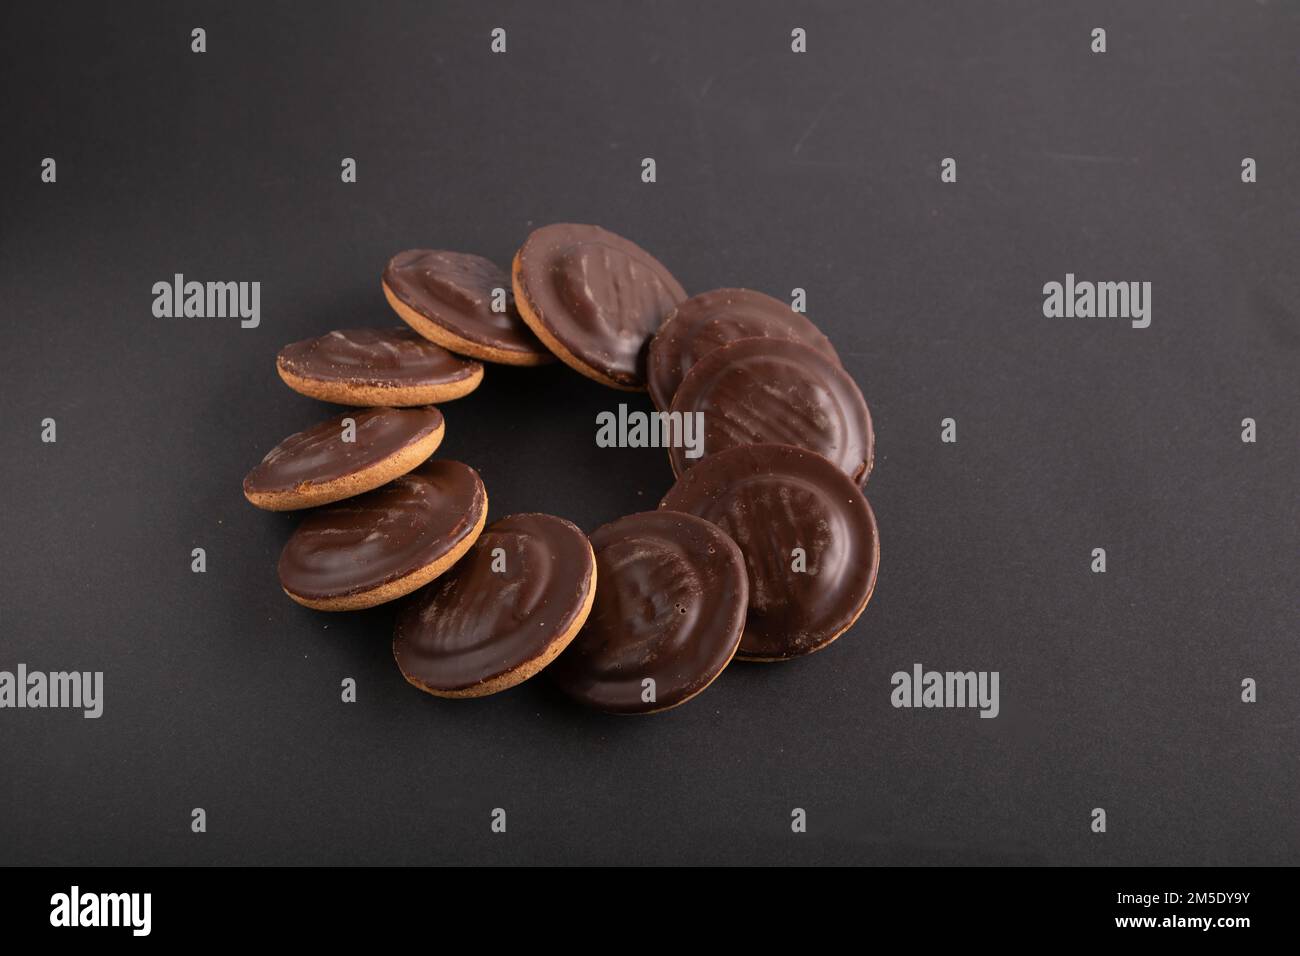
[772, 499]
[773, 391]
[670, 607]
[395, 367]
[447, 298]
[499, 616]
[387, 542]
[710, 320]
[594, 299]
[316, 466]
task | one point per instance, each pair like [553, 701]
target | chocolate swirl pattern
[376, 367]
[776, 391]
[669, 609]
[771, 500]
[502, 613]
[594, 298]
[318, 466]
[447, 298]
[713, 319]
[386, 543]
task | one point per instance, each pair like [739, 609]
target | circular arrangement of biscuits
[765, 549]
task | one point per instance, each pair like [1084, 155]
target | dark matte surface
[775, 171]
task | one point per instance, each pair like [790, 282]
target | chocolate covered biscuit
[769, 390]
[502, 613]
[808, 536]
[594, 298]
[395, 367]
[711, 320]
[450, 298]
[336, 460]
[670, 607]
[386, 543]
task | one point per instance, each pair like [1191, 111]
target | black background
[775, 170]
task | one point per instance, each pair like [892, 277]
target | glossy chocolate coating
[710, 320]
[770, 391]
[319, 454]
[473, 624]
[671, 594]
[454, 290]
[601, 296]
[373, 539]
[772, 499]
[386, 358]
